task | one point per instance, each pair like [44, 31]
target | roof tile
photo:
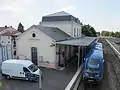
[10, 33]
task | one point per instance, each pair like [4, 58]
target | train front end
[93, 70]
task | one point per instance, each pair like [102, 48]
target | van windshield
[33, 68]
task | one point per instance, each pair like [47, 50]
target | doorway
[34, 55]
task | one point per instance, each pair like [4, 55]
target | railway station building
[54, 41]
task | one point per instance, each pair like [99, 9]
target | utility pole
[40, 81]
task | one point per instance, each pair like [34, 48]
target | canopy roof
[82, 41]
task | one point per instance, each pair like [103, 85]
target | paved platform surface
[53, 80]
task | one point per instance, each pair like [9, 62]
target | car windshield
[33, 68]
[93, 62]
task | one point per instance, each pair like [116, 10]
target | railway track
[116, 67]
[111, 80]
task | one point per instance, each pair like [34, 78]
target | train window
[93, 62]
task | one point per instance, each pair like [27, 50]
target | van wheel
[30, 80]
[26, 79]
[7, 77]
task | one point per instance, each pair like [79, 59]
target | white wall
[66, 26]
[41, 41]
[4, 40]
[7, 42]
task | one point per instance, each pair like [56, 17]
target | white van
[20, 69]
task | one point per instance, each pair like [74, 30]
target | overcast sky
[101, 14]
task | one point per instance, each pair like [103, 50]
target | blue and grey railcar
[93, 64]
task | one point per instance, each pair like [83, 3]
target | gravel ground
[111, 59]
[116, 40]
[116, 63]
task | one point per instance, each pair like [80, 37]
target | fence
[76, 80]
[5, 53]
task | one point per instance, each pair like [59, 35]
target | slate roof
[60, 16]
[62, 13]
[54, 32]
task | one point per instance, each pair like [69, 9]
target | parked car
[20, 69]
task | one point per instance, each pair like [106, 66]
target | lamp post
[40, 81]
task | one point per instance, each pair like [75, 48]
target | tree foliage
[20, 28]
[117, 34]
[88, 30]
[105, 33]
[110, 34]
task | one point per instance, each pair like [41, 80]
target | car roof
[23, 62]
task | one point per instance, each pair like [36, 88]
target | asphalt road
[53, 80]
[105, 84]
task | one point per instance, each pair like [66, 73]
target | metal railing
[117, 62]
[74, 83]
[116, 51]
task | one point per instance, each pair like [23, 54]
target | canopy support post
[78, 57]
[82, 53]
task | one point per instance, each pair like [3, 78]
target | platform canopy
[81, 41]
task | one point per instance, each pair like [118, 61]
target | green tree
[88, 30]
[93, 32]
[85, 30]
[105, 33]
[117, 34]
[20, 28]
[111, 34]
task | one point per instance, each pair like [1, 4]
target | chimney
[5, 26]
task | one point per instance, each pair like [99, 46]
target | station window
[14, 45]
[14, 52]
[33, 35]
[74, 32]
[8, 37]
[77, 32]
